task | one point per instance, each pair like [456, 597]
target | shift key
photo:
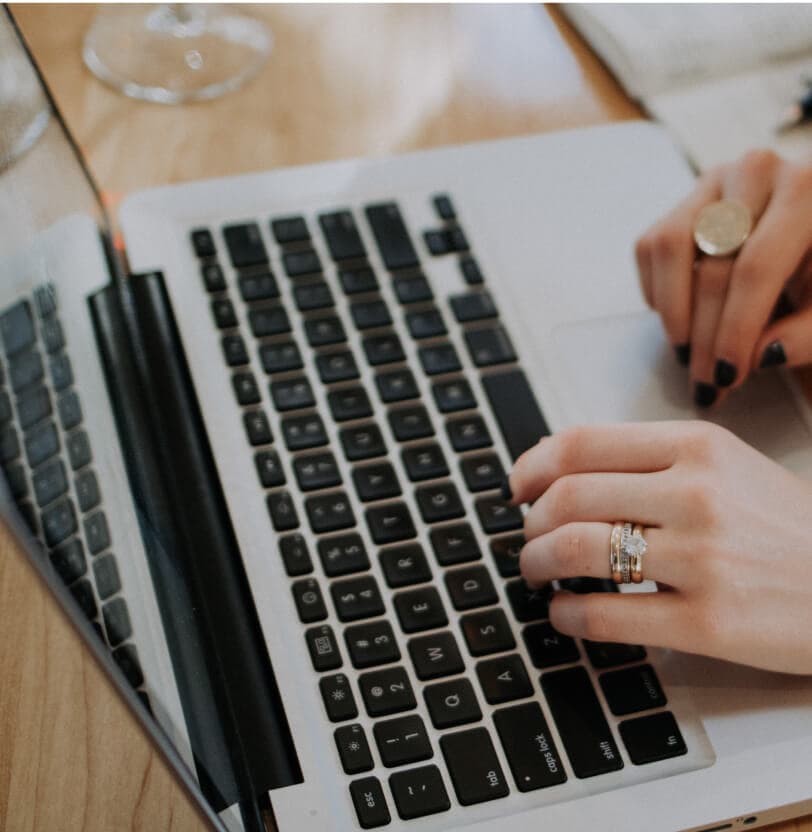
[580, 721]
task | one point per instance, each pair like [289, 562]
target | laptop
[257, 454]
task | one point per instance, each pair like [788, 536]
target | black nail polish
[773, 355]
[704, 394]
[507, 493]
[725, 373]
[683, 352]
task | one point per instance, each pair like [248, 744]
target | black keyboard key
[290, 230]
[52, 335]
[245, 246]
[203, 242]
[437, 241]
[390, 523]
[453, 395]
[506, 551]
[471, 271]
[323, 647]
[483, 472]
[257, 287]
[280, 357]
[489, 346]
[234, 350]
[316, 471]
[358, 280]
[610, 654]
[419, 792]
[396, 386]
[580, 721]
[435, 656]
[245, 388]
[292, 394]
[295, 555]
[529, 747]
[652, 738]
[310, 296]
[391, 236]
[487, 632]
[105, 572]
[424, 462]
[268, 321]
[402, 740]
[97, 534]
[5, 407]
[370, 314]
[386, 691]
[29, 515]
[116, 621]
[17, 483]
[452, 703]
[69, 560]
[282, 511]
[420, 609]
[528, 603]
[257, 428]
[425, 323]
[213, 278]
[504, 679]
[223, 312]
[336, 694]
[32, 406]
[41, 443]
[321, 332]
[82, 591]
[371, 644]
[383, 349]
[457, 241]
[356, 598]
[474, 767]
[353, 749]
[342, 236]
[329, 513]
[632, 689]
[439, 502]
[17, 327]
[269, 469]
[468, 434]
[362, 442]
[25, 369]
[70, 411]
[405, 565]
[297, 263]
[309, 601]
[370, 804]
[547, 647]
[126, 657]
[61, 372]
[454, 544]
[349, 403]
[413, 289]
[470, 587]
[409, 423]
[50, 481]
[343, 555]
[444, 207]
[45, 298]
[10, 444]
[336, 366]
[302, 432]
[496, 515]
[439, 359]
[78, 449]
[516, 410]
[473, 306]
[376, 482]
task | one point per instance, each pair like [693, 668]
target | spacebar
[516, 410]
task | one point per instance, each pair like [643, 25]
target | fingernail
[683, 352]
[704, 394]
[507, 493]
[773, 355]
[725, 373]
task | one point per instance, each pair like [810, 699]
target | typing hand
[718, 312]
[728, 534]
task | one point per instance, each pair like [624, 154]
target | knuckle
[700, 440]
[561, 496]
[569, 444]
[759, 162]
[596, 623]
[700, 501]
[569, 552]
[667, 240]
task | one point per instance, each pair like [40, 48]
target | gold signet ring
[722, 227]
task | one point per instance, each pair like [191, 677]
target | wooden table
[348, 81]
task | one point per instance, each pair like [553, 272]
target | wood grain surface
[342, 81]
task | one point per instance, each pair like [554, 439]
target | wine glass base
[174, 53]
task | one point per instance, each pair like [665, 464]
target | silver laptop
[262, 449]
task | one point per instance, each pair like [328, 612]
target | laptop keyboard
[317, 342]
[47, 458]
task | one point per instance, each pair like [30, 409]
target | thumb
[787, 341]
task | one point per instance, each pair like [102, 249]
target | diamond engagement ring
[626, 549]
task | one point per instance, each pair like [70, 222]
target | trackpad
[620, 369]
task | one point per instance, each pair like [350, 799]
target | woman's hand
[729, 537]
[718, 311]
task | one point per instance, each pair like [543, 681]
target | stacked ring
[626, 549]
[637, 554]
[614, 553]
